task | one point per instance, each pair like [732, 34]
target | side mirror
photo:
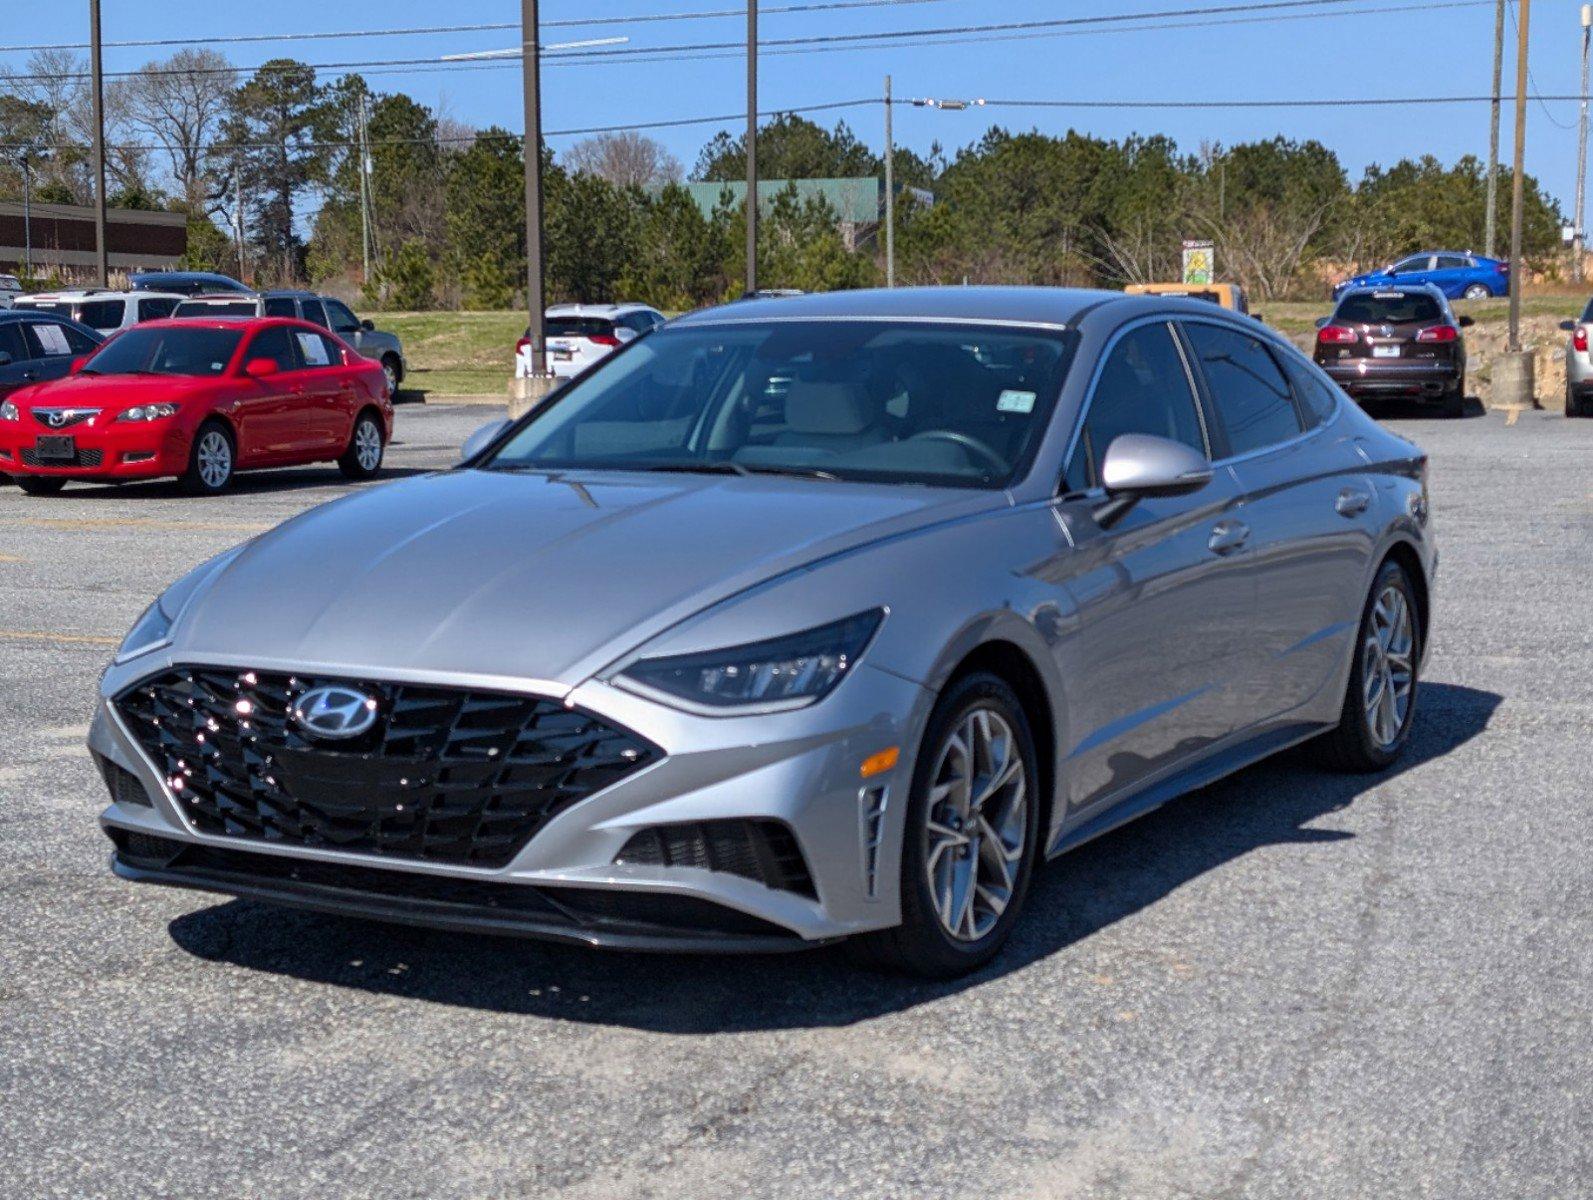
[5, 358]
[368, 325]
[1466, 322]
[1321, 321]
[1568, 326]
[78, 364]
[1138, 465]
[260, 368]
[479, 440]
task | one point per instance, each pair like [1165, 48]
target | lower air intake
[762, 850]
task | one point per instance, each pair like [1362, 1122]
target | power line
[490, 27]
[774, 45]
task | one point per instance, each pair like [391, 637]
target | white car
[10, 289]
[580, 334]
[106, 311]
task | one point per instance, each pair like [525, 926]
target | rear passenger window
[1315, 394]
[103, 314]
[49, 340]
[279, 306]
[1247, 387]
[315, 313]
[317, 351]
[1143, 388]
[154, 310]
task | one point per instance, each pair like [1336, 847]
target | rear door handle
[1352, 502]
[1228, 537]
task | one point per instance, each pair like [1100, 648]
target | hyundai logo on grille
[335, 712]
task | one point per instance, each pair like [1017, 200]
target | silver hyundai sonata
[792, 621]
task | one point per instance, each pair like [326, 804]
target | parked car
[188, 283]
[1228, 295]
[1465, 276]
[103, 310]
[324, 311]
[10, 289]
[200, 400]
[1396, 343]
[36, 347]
[698, 666]
[578, 335]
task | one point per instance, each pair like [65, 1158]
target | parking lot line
[50, 635]
[87, 524]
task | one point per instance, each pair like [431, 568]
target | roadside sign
[1199, 261]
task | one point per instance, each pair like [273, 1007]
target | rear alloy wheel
[210, 461]
[1380, 703]
[970, 838]
[390, 373]
[39, 485]
[1478, 291]
[363, 458]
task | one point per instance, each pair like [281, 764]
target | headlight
[150, 632]
[149, 412]
[8, 411]
[784, 672]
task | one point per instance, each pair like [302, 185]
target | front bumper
[799, 769]
[127, 452]
[1408, 378]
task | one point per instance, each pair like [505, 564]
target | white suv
[580, 334]
[105, 311]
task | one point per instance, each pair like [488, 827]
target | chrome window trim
[1166, 319]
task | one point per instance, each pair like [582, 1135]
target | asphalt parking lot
[1290, 984]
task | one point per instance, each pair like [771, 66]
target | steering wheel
[973, 445]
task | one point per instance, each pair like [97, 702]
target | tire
[983, 709]
[1454, 402]
[1356, 744]
[1574, 407]
[212, 461]
[393, 373]
[39, 485]
[1477, 291]
[366, 446]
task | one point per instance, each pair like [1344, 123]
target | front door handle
[1228, 537]
[1352, 502]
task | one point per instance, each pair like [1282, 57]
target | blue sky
[1373, 52]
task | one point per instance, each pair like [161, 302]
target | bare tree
[625, 159]
[181, 104]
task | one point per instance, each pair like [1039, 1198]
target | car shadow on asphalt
[248, 483]
[1272, 803]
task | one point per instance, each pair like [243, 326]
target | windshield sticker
[1011, 401]
[53, 340]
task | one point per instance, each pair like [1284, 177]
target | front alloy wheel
[210, 462]
[1478, 291]
[971, 836]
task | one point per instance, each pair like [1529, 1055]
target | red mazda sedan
[200, 400]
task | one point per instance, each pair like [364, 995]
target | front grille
[761, 850]
[446, 775]
[63, 418]
[83, 458]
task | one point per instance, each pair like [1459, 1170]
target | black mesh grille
[123, 785]
[766, 851]
[446, 775]
[83, 458]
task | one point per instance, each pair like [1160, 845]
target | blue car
[1459, 276]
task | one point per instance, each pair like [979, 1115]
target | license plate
[56, 447]
[1385, 351]
[563, 355]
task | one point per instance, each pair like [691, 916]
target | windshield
[1391, 308]
[866, 400]
[166, 350]
[214, 308]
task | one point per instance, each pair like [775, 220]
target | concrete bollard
[1513, 381]
[528, 391]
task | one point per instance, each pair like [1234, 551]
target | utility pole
[890, 193]
[27, 216]
[365, 192]
[752, 145]
[1491, 213]
[1579, 241]
[1524, 12]
[535, 290]
[97, 67]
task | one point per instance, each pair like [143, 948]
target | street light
[890, 167]
[948, 105]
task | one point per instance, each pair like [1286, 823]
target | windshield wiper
[717, 466]
[798, 472]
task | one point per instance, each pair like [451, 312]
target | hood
[528, 576]
[111, 391]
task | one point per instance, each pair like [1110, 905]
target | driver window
[1143, 388]
[1419, 263]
